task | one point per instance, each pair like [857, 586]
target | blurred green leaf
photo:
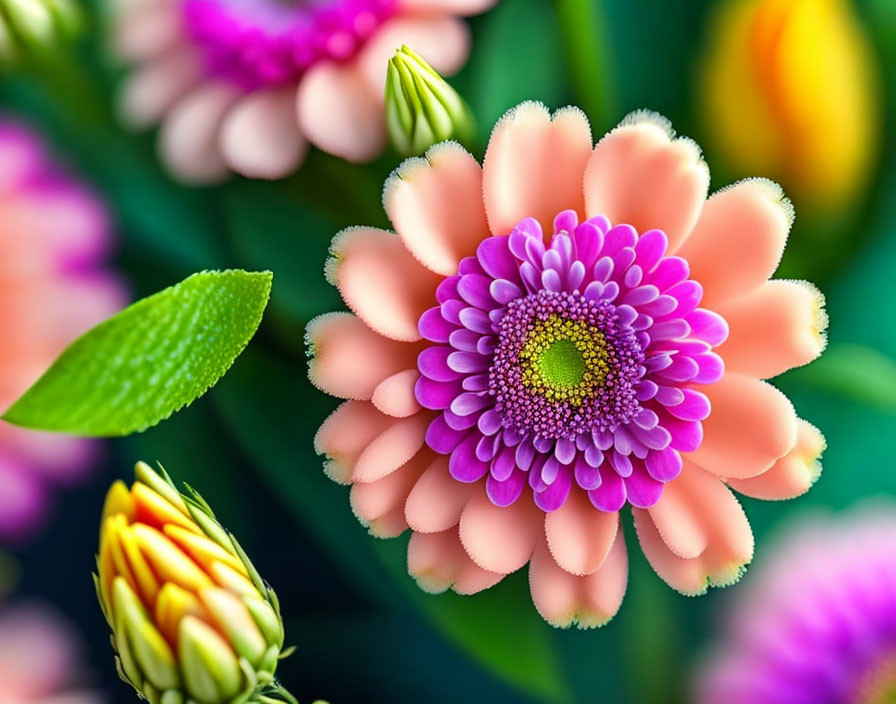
[152, 359]
[518, 57]
[857, 372]
[499, 628]
[270, 229]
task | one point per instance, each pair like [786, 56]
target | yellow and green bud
[192, 621]
[28, 26]
[421, 108]
[789, 89]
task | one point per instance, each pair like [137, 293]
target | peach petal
[379, 505]
[500, 539]
[437, 500]
[642, 175]
[442, 40]
[579, 536]
[395, 395]
[777, 326]
[792, 475]
[452, 7]
[392, 448]
[148, 29]
[345, 434]
[261, 138]
[153, 89]
[589, 601]
[381, 282]
[678, 520]
[349, 360]
[339, 113]
[438, 562]
[435, 205]
[738, 241]
[730, 540]
[751, 426]
[188, 141]
[534, 166]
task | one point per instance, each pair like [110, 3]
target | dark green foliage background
[364, 632]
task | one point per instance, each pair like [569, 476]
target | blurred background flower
[246, 86]
[54, 285]
[815, 621]
[790, 89]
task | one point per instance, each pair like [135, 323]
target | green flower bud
[421, 108]
[36, 25]
[192, 620]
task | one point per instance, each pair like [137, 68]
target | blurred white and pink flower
[41, 659]
[245, 86]
[54, 239]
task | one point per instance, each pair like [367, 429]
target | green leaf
[857, 372]
[150, 360]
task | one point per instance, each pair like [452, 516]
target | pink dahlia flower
[557, 334]
[816, 622]
[246, 84]
[40, 659]
[54, 238]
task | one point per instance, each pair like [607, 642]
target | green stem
[583, 25]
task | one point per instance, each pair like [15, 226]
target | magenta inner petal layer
[576, 363]
[263, 43]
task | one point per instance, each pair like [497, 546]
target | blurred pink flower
[40, 659]
[815, 623]
[561, 332]
[246, 84]
[54, 236]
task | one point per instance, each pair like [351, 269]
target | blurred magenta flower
[789, 89]
[558, 333]
[54, 238]
[815, 623]
[246, 85]
[40, 659]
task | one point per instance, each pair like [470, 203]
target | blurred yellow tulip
[789, 90]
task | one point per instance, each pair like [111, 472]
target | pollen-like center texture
[262, 43]
[569, 363]
[564, 366]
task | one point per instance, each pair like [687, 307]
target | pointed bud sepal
[192, 620]
[421, 108]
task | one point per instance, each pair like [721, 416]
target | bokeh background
[364, 632]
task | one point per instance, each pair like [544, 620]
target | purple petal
[688, 294]
[669, 395]
[495, 257]
[525, 454]
[470, 402]
[633, 277]
[663, 305]
[463, 464]
[490, 422]
[646, 390]
[683, 368]
[468, 362]
[603, 270]
[708, 326]
[686, 434]
[436, 395]
[441, 438]
[642, 294]
[433, 363]
[586, 476]
[434, 327]
[565, 450]
[650, 248]
[619, 237]
[668, 272]
[643, 491]
[475, 319]
[458, 422]
[503, 464]
[657, 438]
[504, 291]
[610, 495]
[487, 447]
[594, 456]
[566, 221]
[670, 330]
[474, 289]
[451, 310]
[475, 382]
[465, 340]
[469, 265]
[554, 496]
[504, 493]
[589, 240]
[694, 406]
[710, 368]
[663, 465]
[447, 289]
